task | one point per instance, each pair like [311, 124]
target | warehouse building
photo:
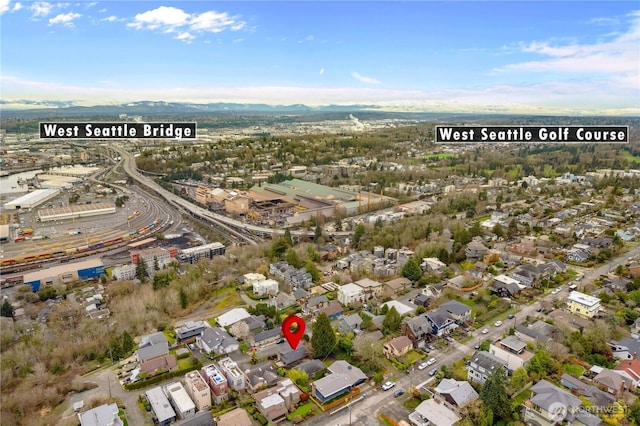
[66, 273]
[32, 199]
[75, 212]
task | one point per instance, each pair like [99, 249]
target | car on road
[511, 316]
[448, 338]
[498, 323]
[485, 331]
[477, 346]
[399, 392]
[539, 309]
[388, 385]
[423, 366]
[431, 361]
[280, 341]
[433, 371]
[556, 290]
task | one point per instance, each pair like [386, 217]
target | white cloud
[214, 22]
[321, 71]
[171, 19]
[161, 18]
[16, 7]
[103, 10]
[4, 6]
[307, 39]
[184, 36]
[112, 18]
[616, 59]
[364, 79]
[40, 9]
[65, 19]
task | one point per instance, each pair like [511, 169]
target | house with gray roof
[103, 415]
[627, 348]
[289, 356]
[314, 304]
[460, 312]
[217, 340]
[482, 364]
[550, 405]
[311, 367]
[282, 301]
[441, 322]
[597, 397]
[350, 323]
[416, 329]
[261, 375]
[457, 393]
[341, 379]
[152, 346]
[189, 330]
[161, 406]
[266, 337]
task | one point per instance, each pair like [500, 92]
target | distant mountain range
[68, 109]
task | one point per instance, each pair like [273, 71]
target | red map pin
[293, 330]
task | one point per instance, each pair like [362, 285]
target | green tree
[156, 264]
[323, 339]
[391, 321]
[317, 233]
[346, 345]
[313, 270]
[411, 270]
[498, 230]
[287, 237]
[494, 395]
[367, 321]
[46, 293]
[278, 248]
[141, 270]
[160, 280]
[293, 259]
[6, 310]
[518, 379]
[127, 342]
[357, 234]
[299, 377]
[184, 300]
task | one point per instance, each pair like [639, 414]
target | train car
[26, 231]
[71, 250]
[152, 224]
[9, 262]
[143, 230]
[130, 217]
[18, 239]
[30, 258]
[83, 248]
[133, 233]
[96, 246]
[137, 213]
[11, 281]
[43, 256]
[58, 253]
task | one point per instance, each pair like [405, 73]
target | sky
[539, 57]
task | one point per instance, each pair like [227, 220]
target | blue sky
[577, 57]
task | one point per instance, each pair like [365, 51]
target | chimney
[635, 355]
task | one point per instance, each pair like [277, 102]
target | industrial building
[32, 199]
[152, 255]
[65, 273]
[206, 251]
[75, 212]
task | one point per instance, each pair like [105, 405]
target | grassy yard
[303, 410]
[413, 356]
[573, 369]
[438, 156]
[170, 335]
[521, 398]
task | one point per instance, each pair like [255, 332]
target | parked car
[511, 316]
[399, 392]
[433, 371]
[448, 338]
[485, 331]
[192, 346]
[388, 385]
[477, 346]
[280, 341]
[431, 347]
[431, 361]
[423, 366]
[498, 323]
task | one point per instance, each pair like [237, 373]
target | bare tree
[240, 330]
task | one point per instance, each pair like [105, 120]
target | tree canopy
[323, 340]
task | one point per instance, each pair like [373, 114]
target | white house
[350, 293]
[265, 287]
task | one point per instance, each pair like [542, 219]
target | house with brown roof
[237, 417]
[159, 364]
[397, 347]
[274, 403]
[610, 381]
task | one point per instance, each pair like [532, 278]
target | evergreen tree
[323, 339]
[156, 265]
[141, 270]
[357, 235]
[317, 233]
[6, 310]
[494, 395]
[288, 238]
[184, 300]
[411, 270]
[127, 342]
[391, 321]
